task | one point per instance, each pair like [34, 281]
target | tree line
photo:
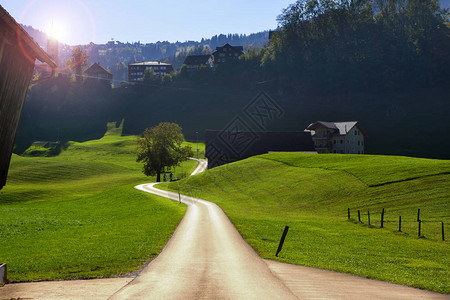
[346, 45]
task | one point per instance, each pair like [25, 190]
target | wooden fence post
[282, 239]
[359, 216]
[418, 215]
[443, 236]
[368, 216]
[382, 218]
[420, 223]
[400, 223]
[348, 213]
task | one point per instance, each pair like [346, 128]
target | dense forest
[385, 66]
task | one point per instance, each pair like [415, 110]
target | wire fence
[435, 228]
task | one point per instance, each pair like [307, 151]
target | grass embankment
[311, 194]
[77, 215]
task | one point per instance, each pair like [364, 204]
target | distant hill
[39, 36]
[116, 55]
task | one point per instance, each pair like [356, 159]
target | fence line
[400, 221]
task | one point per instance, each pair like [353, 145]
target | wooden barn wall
[15, 75]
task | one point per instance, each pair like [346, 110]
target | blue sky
[83, 21]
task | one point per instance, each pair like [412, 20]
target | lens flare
[59, 30]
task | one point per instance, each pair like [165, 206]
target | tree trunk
[158, 177]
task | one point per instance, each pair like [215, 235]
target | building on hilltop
[97, 71]
[18, 53]
[227, 53]
[224, 147]
[338, 137]
[136, 70]
[194, 62]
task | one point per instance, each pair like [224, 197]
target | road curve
[206, 258]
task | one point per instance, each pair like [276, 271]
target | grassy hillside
[311, 194]
[77, 215]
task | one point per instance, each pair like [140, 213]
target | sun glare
[57, 31]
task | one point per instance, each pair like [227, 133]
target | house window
[334, 142]
[356, 132]
[359, 143]
[342, 141]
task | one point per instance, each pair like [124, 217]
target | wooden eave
[26, 40]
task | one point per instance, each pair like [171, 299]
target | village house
[136, 70]
[194, 62]
[18, 53]
[338, 137]
[227, 53]
[97, 71]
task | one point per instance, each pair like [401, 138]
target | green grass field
[76, 215]
[311, 194]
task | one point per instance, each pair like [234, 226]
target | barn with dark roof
[223, 147]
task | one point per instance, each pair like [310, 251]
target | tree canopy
[161, 147]
[78, 62]
[360, 44]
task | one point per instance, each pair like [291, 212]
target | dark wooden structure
[18, 52]
[97, 71]
[194, 62]
[223, 147]
[227, 53]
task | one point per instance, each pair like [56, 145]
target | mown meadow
[312, 193]
[76, 215]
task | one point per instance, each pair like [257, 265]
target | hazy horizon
[78, 22]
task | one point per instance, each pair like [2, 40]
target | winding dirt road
[206, 258]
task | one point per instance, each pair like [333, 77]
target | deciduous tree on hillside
[161, 147]
[78, 62]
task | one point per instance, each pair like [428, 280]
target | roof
[197, 59]
[344, 127]
[25, 40]
[241, 48]
[150, 63]
[341, 127]
[241, 145]
[97, 68]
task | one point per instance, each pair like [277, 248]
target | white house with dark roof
[338, 137]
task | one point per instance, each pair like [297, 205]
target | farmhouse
[193, 62]
[227, 53]
[97, 71]
[136, 70]
[223, 147]
[338, 137]
[18, 52]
